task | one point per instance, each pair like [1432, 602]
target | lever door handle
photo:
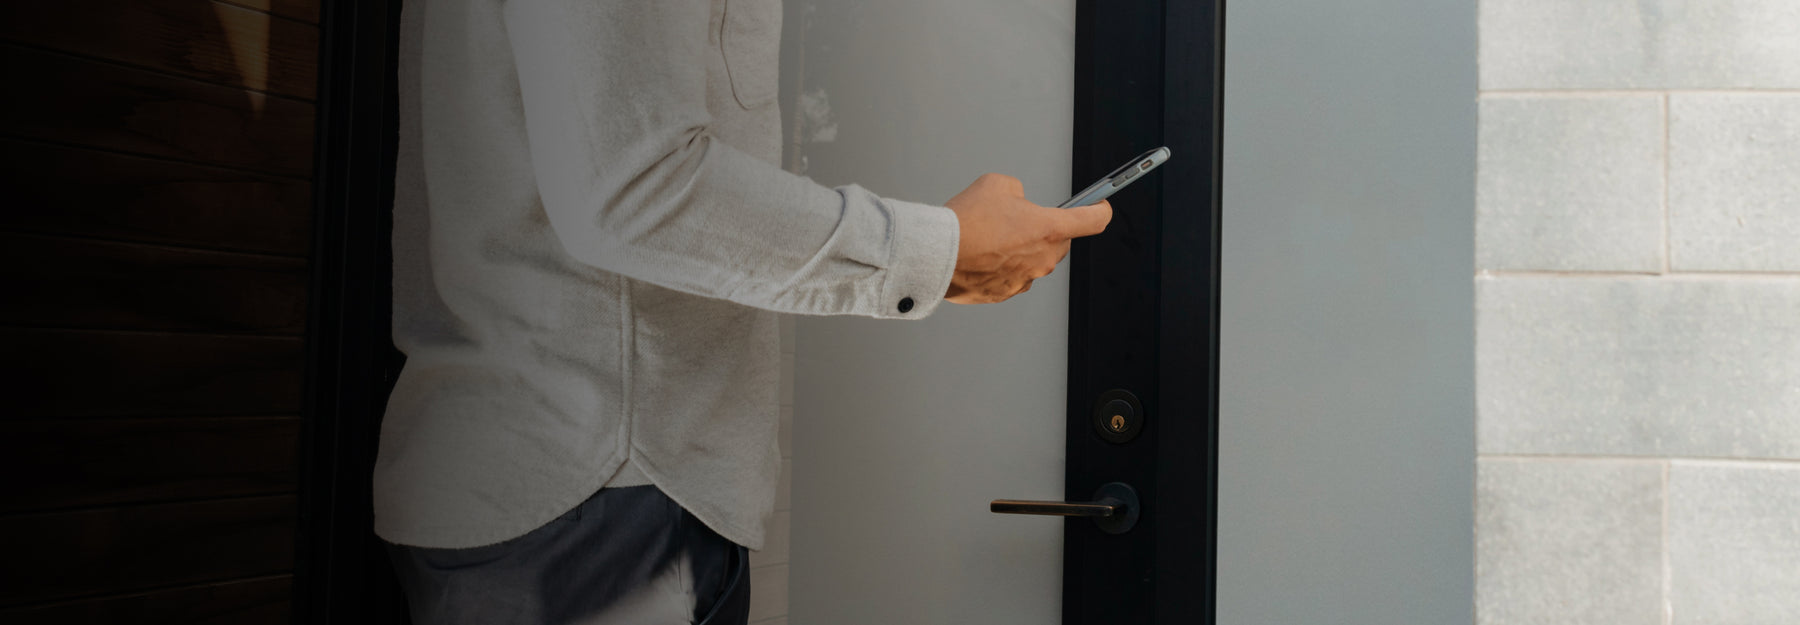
[1114, 508]
[1106, 507]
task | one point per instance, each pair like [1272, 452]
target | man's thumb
[1081, 221]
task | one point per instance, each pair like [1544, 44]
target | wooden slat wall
[256, 600]
[153, 256]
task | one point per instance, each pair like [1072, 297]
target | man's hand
[1007, 241]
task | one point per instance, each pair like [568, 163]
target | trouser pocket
[732, 607]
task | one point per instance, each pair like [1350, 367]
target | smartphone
[1124, 175]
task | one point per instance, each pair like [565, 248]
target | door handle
[1106, 507]
[1114, 508]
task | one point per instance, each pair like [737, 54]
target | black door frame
[341, 571]
[1143, 310]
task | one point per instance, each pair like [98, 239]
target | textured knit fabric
[591, 243]
[624, 556]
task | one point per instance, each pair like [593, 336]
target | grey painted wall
[1346, 386]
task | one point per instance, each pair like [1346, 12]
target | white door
[1345, 414]
[904, 431]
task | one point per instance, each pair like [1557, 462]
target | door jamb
[341, 572]
[1144, 309]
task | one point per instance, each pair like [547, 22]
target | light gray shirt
[591, 243]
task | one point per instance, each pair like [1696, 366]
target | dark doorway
[341, 572]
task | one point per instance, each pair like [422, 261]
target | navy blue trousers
[626, 556]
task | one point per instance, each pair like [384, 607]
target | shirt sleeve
[634, 181]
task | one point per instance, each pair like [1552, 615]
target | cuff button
[906, 305]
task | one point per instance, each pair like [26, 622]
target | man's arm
[634, 182]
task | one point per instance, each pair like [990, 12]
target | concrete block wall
[1638, 312]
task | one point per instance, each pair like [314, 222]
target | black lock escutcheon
[1118, 416]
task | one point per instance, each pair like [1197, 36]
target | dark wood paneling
[159, 157]
[303, 10]
[63, 190]
[65, 463]
[252, 602]
[111, 550]
[97, 373]
[88, 103]
[63, 282]
[209, 41]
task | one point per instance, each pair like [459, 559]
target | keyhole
[1117, 418]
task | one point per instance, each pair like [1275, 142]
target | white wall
[1638, 256]
[1346, 410]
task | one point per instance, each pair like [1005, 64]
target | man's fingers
[1084, 221]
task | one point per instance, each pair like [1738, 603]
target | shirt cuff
[921, 261]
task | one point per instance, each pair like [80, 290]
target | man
[591, 244]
